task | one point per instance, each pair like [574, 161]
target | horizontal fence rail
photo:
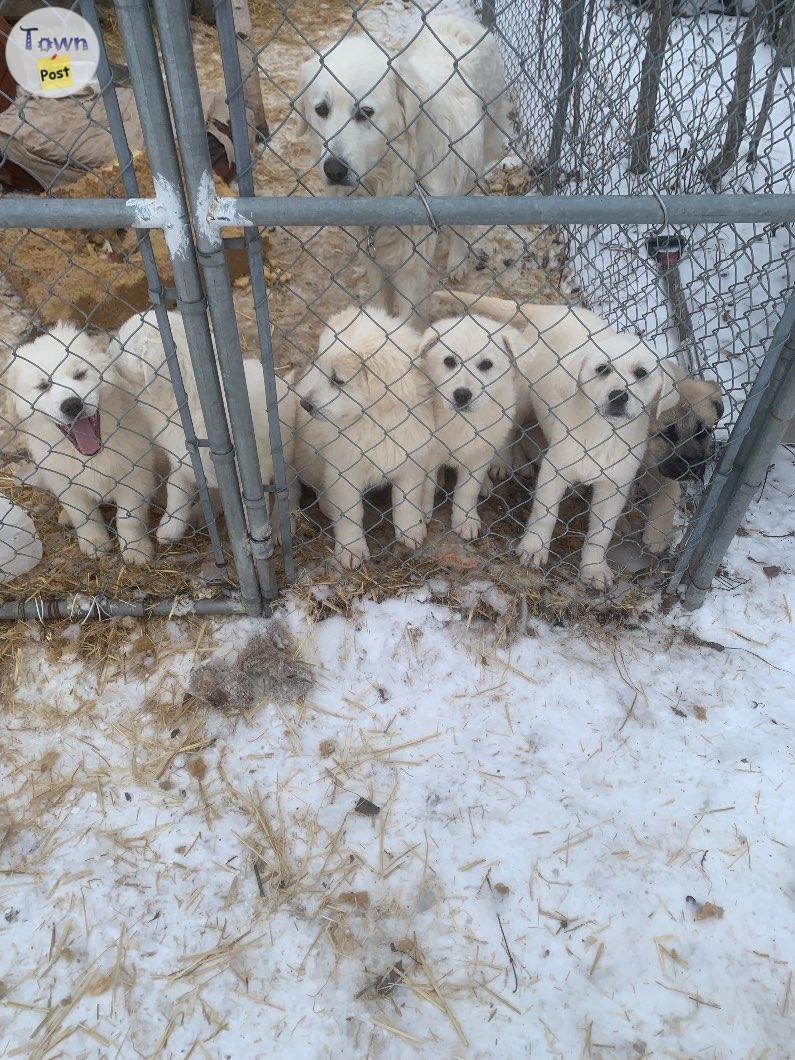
[225, 212]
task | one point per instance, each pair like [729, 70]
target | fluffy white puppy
[366, 417]
[471, 363]
[434, 114]
[138, 356]
[88, 440]
[593, 393]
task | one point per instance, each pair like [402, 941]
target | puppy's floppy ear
[429, 340]
[123, 365]
[666, 395]
[306, 75]
[402, 76]
[512, 342]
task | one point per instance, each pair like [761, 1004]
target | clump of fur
[272, 659]
[268, 666]
[223, 687]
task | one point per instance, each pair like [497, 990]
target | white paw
[596, 576]
[351, 555]
[458, 271]
[413, 537]
[170, 529]
[656, 544]
[468, 528]
[64, 518]
[139, 553]
[532, 552]
[499, 470]
[95, 544]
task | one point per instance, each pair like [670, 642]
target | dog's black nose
[618, 397]
[72, 407]
[462, 396]
[335, 169]
[307, 406]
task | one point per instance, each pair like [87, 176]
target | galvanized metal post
[183, 86]
[156, 289]
[741, 472]
[147, 82]
[571, 16]
[230, 59]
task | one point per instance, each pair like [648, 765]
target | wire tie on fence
[371, 230]
[665, 222]
[421, 192]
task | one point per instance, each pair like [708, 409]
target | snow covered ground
[585, 791]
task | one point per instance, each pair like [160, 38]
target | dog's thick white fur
[366, 417]
[593, 392]
[138, 356]
[435, 113]
[471, 363]
[88, 440]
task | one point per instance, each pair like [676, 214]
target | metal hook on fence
[421, 192]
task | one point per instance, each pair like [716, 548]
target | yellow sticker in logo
[55, 73]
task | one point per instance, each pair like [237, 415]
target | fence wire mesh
[535, 405]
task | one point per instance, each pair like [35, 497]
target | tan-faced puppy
[366, 417]
[681, 444]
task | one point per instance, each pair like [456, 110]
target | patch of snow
[571, 791]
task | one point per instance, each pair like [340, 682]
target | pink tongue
[84, 435]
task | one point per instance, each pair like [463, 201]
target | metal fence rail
[612, 182]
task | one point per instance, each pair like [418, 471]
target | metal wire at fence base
[484, 404]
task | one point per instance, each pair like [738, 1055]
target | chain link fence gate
[377, 402]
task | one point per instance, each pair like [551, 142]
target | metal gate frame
[191, 216]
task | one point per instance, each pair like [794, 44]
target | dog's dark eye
[80, 375]
[322, 110]
[45, 384]
[363, 113]
[703, 432]
[335, 379]
[670, 433]
[450, 362]
[484, 366]
[603, 369]
[641, 373]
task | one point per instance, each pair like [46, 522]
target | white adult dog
[471, 362]
[593, 393]
[138, 356]
[87, 438]
[432, 117]
[366, 417]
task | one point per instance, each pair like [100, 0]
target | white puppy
[593, 392]
[87, 438]
[366, 417]
[435, 114]
[138, 357]
[471, 362]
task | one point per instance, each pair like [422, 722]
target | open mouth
[84, 434]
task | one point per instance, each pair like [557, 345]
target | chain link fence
[522, 272]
